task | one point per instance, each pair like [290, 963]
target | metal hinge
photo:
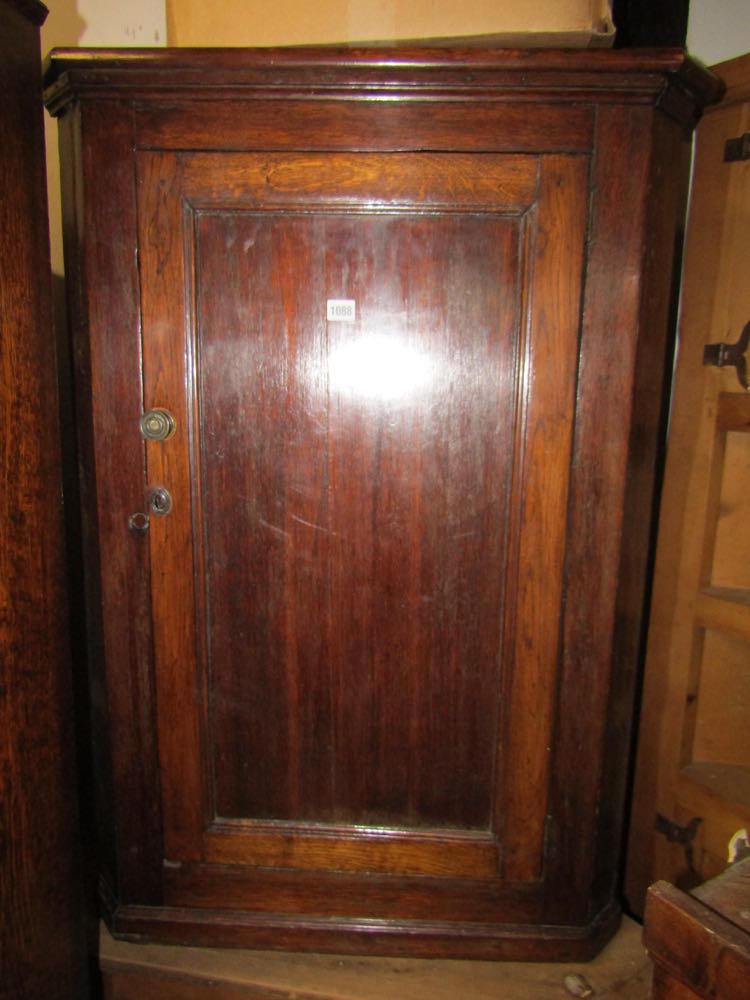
[675, 833]
[737, 149]
[721, 355]
[684, 835]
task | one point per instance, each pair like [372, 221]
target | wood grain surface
[42, 927]
[368, 683]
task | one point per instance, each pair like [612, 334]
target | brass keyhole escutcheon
[157, 425]
[159, 501]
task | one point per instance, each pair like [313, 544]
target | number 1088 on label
[341, 310]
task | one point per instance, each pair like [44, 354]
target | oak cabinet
[369, 349]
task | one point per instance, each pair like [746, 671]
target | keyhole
[160, 501]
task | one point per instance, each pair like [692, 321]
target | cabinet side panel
[670, 158]
[611, 312]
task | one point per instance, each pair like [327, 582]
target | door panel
[353, 596]
[333, 633]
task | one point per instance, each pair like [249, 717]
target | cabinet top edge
[32, 10]
[357, 72]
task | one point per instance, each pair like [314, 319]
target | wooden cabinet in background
[365, 589]
[42, 938]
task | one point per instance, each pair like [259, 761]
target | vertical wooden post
[41, 930]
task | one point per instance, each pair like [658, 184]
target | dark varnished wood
[380, 895]
[108, 368]
[413, 124]
[375, 551]
[32, 10]
[442, 938]
[650, 401]
[385, 609]
[347, 517]
[360, 74]
[537, 528]
[606, 390]
[358, 731]
[42, 936]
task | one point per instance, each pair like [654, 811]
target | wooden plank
[726, 610]
[666, 987]
[726, 779]
[166, 372]
[733, 412]
[148, 972]
[541, 490]
[106, 337]
[702, 946]
[596, 512]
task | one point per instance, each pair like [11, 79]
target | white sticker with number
[341, 310]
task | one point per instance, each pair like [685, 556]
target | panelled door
[370, 362]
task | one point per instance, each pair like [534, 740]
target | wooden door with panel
[373, 419]
[692, 792]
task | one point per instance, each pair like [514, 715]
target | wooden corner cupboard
[369, 348]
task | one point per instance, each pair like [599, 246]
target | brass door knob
[157, 425]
